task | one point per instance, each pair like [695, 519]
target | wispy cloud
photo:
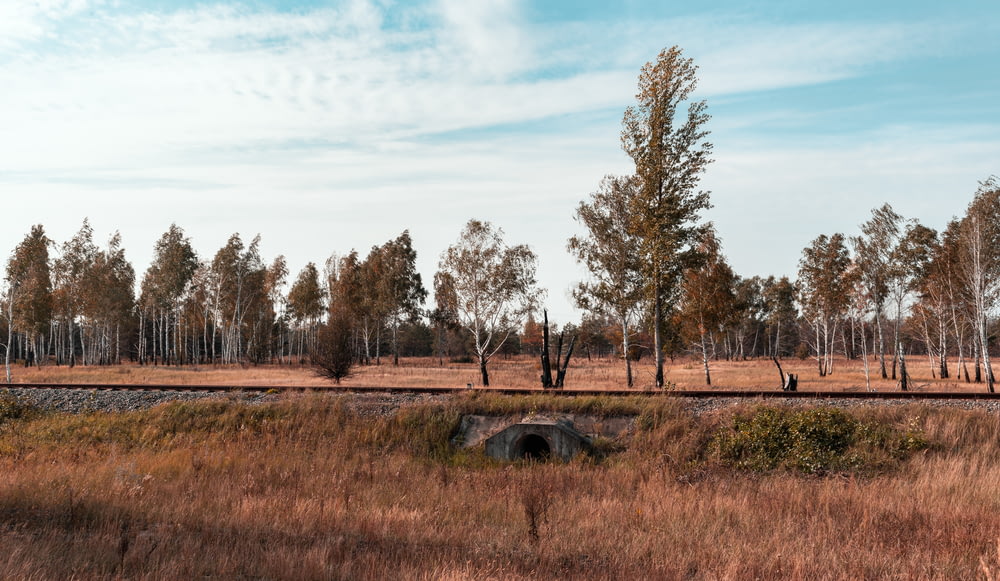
[157, 84]
[360, 119]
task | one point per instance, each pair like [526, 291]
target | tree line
[658, 284]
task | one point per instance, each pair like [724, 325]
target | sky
[326, 126]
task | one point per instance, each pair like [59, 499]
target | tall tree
[305, 306]
[824, 293]
[68, 273]
[108, 304]
[910, 260]
[29, 292]
[398, 286]
[609, 251]
[671, 151]
[345, 286]
[492, 287]
[162, 293]
[266, 332]
[930, 311]
[980, 263]
[240, 277]
[944, 302]
[873, 252]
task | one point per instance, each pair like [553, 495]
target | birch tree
[609, 251]
[980, 264]
[492, 286]
[76, 259]
[910, 260]
[162, 294]
[29, 293]
[670, 149]
[239, 276]
[305, 307]
[824, 293]
[873, 252]
[108, 304]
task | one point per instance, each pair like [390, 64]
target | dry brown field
[518, 371]
[306, 488]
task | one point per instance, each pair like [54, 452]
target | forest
[659, 285]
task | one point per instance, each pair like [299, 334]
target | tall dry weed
[308, 488]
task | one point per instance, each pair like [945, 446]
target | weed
[13, 407]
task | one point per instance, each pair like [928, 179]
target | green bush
[812, 441]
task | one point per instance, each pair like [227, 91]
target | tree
[707, 301]
[748, 310]
[824, 292]
[398, 286]
[162, 293]
[344, 283]
[443, 317]
[29, 293]
[980, 263]
[930, 311]
[68, 273]
[593, 332]
[108, 304]
[910, 260]
[609, 251]
[239, 276]
[305, 306]
[492, 287]
[780, 313]
[669, 160]
[873, 252]
[266, 332]
[332, 356]
[944, 301]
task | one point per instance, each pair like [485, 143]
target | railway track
[735, 394]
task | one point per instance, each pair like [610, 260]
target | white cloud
[30, 20]
[771, 200]
[329, 128]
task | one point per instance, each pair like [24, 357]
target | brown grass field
[306, 488]
[312, 487]
[513, 372]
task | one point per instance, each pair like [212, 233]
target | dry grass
[305, 489]
[512, 372]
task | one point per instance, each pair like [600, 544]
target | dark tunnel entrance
[533, 447]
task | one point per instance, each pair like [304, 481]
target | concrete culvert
[538, 440]
[533, 447]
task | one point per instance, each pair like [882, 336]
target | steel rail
[701, 393]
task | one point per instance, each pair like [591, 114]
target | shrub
[333, 355]
[13, 407]
[812, 441]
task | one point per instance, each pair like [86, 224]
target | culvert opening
[533, 447]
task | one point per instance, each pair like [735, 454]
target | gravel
[703, 405]
[94, 400]
[385, 403]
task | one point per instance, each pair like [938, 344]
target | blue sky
[326, 126]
